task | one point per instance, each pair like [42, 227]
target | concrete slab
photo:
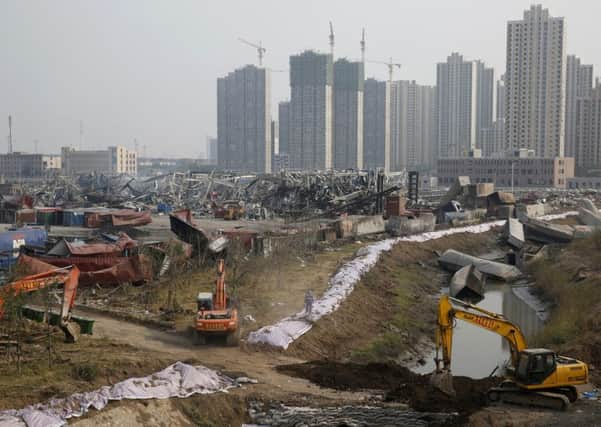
[522, 211]
[588, 217]
[545, 232]
[467, 282]
[454, 260]
[514, 233]
[403, 226]
[368, 225]
[583, 231]
[588, 204]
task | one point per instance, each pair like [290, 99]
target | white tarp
[177, 380]
[284, 332]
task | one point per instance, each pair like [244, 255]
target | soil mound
[399, 383]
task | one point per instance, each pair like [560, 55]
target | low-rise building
[113, 160]
[508, 171]
[26, 165]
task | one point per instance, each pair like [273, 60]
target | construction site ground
[386, 319]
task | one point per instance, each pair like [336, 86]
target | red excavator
[217, 315]
[68, 277]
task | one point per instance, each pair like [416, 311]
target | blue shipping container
[73, 218]
[12, 240]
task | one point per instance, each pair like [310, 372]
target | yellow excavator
[537, 376]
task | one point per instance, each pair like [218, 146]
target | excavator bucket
[71, 331]
[443, 381]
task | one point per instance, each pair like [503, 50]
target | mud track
[399, 384]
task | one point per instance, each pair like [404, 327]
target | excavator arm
[450, 309]
[68, 277]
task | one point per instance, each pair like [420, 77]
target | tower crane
[362, 44]
[260, 49]
[391, 65]
[332, 40]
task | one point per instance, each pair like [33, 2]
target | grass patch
[408, 320]
[570, 279]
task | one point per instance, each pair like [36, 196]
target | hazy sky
[147, 69]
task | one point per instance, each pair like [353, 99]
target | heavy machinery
[537, 376]
[68, 277]
[217, 315]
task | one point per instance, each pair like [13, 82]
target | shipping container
[73, 218]
[25, 216]
[48, 216]
[12, 240]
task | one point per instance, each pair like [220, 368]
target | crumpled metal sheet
[94, 270]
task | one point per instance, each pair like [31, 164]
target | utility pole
[35, 146]
[10, 134]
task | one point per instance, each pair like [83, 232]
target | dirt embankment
[570, 279]
[69, 368]
[399, 384]
[391, 309]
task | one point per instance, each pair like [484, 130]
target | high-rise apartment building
[587, 148]
[501, 96]
[485, 90]
[284, 127]
[376, 125]
[579, 83]
[310, 144]
[348, 114]
[492, 139]
[412, 126]
[465, 104]
[535, 83]
[244, 120]
[212, 150]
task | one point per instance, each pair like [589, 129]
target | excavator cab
[535, 366]
[204, 301]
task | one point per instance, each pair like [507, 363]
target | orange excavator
[217, 315]
[68, 277]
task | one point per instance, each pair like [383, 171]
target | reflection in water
[476, 351]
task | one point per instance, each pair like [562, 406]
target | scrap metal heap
[287, 194]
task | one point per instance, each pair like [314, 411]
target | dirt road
[254, 364]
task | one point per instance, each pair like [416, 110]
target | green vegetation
[85, 371]
[570, 280]
[409, 320]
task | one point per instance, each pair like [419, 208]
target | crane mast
[331, 40]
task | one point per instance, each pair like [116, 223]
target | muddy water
[377, 416]
[476, 351]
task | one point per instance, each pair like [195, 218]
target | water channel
[476, 351]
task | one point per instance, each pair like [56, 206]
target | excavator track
[541, 399]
